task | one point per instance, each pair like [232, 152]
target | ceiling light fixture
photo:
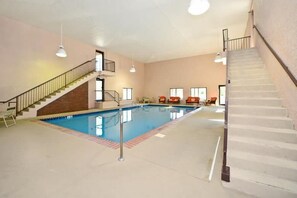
[198, 7]
[220, 57]
[61, 51]
[132, 69]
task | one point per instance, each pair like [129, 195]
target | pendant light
[61, 52]
[198, 7]
[218, 58]
[132, 69]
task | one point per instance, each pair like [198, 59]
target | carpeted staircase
[262, 143]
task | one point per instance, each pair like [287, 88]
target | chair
[146, 100]
[5, 115]
[212, 100]
[162, 99]
[193, 100]
[175, 100]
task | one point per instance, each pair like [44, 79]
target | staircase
[31, 111]
[262, 142]
[27, 103]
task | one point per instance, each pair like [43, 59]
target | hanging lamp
[132, 69]
[198, 7]
[61, 51]
[218, 58]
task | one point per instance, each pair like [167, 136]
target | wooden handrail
[285, 67]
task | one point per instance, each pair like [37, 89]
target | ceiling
[146, 30]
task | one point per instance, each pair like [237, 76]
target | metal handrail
[109, 65]
[225, 174]
[285, 67]
[113, 94]
[42, 91]
[239, 43]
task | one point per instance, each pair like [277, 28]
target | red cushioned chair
[175, 100]
[211, 101]
[162, 99]
[191, 100]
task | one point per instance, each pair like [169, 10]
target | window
[127, 93]
[199, 92]
[177, 92]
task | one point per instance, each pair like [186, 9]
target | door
[99, 60]
[99, 89]
[222, 94]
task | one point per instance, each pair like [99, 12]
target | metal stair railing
[112, 95]
[225, 173]
[33, 96]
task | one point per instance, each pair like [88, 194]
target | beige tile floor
[38, 161]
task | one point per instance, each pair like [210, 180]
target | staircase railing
[112, 95]
[31, 97]
[239, 43]
[225, 174]
[285, 67]
[109, 65]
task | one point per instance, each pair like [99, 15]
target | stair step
[254, 81]
[245, 62]
[265, 133]
[253, 94]
[245, 66]
[257, 110]
[247, 70]
[278, 167]
[255, 101]
[263, 147]
[250, 76]
[265, 121]
[264, 87]
[261, 185]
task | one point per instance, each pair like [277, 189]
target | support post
[121, 158]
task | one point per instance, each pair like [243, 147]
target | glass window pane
[124, 94]
[180, 93]
[129, 95]
[202, 93]
[99, 62]
[172, 92]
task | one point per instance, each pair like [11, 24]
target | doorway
[222, 94]
[99, 89]
[99, 57]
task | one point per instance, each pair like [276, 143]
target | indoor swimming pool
[137, 121]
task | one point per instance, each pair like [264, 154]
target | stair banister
[285, 67]
[225, 173]
[39, 92]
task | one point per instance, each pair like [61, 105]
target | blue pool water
[137, 121]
